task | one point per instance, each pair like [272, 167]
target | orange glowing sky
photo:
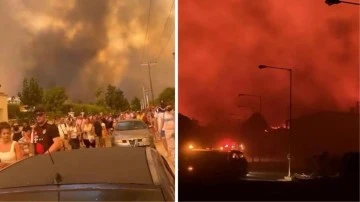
[221, 43]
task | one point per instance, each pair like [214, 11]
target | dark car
[212, 165]
[117, 173]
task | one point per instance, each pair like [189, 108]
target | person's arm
[18, 151]
[55, 146]
[54, 134]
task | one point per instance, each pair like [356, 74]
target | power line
[147, 30]
[166, 22]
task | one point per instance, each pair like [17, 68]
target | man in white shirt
[169, 131]
[159, 116]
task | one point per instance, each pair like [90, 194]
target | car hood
[82, 166]
[132, 134]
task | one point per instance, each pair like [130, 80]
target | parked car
[213, 165]
[104, 174]
[132, 133]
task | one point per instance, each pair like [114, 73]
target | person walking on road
[46, 136]
[169, 130]
[159, 115]
[17, 134]
[63, 131]
[25, 141]
[104, 134]
[98, 131]
[74, 133]
[10, 151]
[88, 135]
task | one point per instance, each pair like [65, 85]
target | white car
[132, 133]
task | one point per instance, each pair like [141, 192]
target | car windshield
[130, 125]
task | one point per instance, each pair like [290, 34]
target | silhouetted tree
[31, 93]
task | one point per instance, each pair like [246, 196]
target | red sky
[221, 43]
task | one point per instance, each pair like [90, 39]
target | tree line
[56, 100]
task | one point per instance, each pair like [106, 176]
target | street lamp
[332, 2]
[251, 95]
[290, 112]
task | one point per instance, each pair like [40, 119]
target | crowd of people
[75, 132]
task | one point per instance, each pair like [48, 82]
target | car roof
[102, 165]
[214, 151]
[127, 120]
[130, 120]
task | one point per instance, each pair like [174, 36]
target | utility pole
[151, 88]
[146, 98]
[143, 91]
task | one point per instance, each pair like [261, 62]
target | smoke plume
[82, 45]
[221, 44]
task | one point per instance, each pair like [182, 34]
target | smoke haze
[221, 44]
[82, 45]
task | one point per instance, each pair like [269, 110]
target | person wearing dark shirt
[17, 133]
[97, 127]
[46, 136]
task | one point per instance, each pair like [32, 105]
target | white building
[3, 107]
[14, 100]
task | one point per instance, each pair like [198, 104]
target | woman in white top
[88, 134]
[74, 132]
[169, 128]
[10, 151]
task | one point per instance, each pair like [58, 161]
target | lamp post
[251, 95]
[290, 112]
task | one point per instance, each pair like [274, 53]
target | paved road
[264, 176]
[160, 147]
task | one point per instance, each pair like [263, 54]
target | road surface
[160, 147]
[264, 176]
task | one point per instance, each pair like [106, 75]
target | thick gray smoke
[82, 45]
